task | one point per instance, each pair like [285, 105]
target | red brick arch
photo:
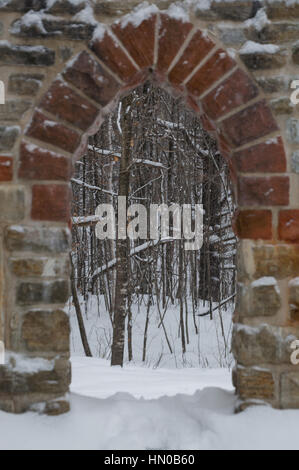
[189, 63]
[215, 84]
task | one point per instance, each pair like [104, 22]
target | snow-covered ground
[208, 349]
[96, 379]
[170, 402]
[155, 409]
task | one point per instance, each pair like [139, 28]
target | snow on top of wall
[178, 12]
[265, 281]
[145, 10]
[18, 228]
[254, 330]
[289, 3]
[32, 147]
[71, 62]
[200, 4]
[274, 140]
[207, 4]
[4, 42]
[251, 47]
[29, 20]
[35, 19]
[99, 32]
[256, 368]
[259, 21]
[3, 3]
[250, 330]
[27, 365]
[86, 16]
[139, 14]
[50, 3]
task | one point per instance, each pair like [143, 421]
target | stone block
[290, 390]
[48, 240]
[280, 261]
[12, 203]
[46, 292]
[295, 161]
[264, 297]
[255, 384]
[40, 267]
[40, 56]
[46, 331]
[25, 84]
[8, 137]
[255, 346]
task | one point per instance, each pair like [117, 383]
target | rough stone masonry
[65, 63]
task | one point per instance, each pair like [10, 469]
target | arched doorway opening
[179, 300]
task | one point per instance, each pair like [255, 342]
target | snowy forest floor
[167, 403]
[210, 348]
[154, 410]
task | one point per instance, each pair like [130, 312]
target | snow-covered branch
[94, 188]
[134, 251]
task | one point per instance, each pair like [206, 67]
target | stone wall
[63, 70]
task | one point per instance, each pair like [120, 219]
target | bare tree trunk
[122, 248]
[79, 313]
[209, 287]
[130, 329]
[146, 326]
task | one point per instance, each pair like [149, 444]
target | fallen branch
[224, 302]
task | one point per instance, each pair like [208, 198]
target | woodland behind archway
[153, 301]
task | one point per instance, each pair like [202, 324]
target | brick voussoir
[264, 191]
[37, 163]
[138, 41]
[171, 36]
[195, 51]
[89, 77]
[218, 65]
[53, 132]
[111, 54]
[66, 104]
[266, 157]
[232, 93]
[253, 123]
